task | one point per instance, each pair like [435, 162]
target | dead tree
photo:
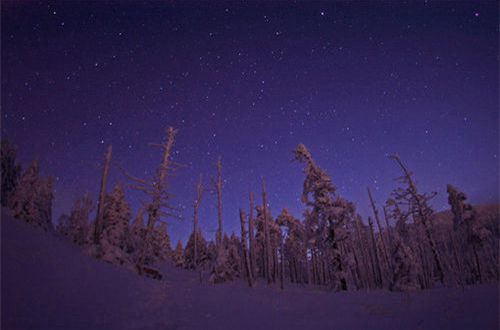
[251, 237]
[381, 237]
[267, 252]
[389, 229]
[376, 261]
[156, 190]
[364, 269]
[244, 250]
[420, 211]
[197, 201]
[102, 194]
[218, 189]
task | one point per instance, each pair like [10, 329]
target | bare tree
[102, 195]
[156, 189]
[218, 189]
[244, 250]
[420, 211]
[381, 236]
[197, 201]
[251, 237]
[267, 244]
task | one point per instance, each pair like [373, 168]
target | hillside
[47, 283]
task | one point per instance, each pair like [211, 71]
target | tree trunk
[102, 194]
[246, 258]
[267, 245]
[218, 188]
[375, 254]
[251, 237]
[381, 237]
[199, 193]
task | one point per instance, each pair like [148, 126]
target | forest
[403, 246]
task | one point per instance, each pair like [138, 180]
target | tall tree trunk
[246, 258]
[423, 219]
[389, 229]
[158, 193]
[381, 237]
[266, 234]
[199, 193]
[251, 237]
[282, 263]
[375, 254]
[218, 188]
[102, 194]
[364, 269]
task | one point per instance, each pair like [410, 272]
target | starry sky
[248, 81]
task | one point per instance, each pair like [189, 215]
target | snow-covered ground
[47, 283]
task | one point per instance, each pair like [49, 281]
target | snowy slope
[47, 283]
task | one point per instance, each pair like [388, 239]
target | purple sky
[249, 81]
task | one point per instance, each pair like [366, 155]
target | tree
[406, 266]
[178, 256]
[115, 226]
[326, 217]
[78, 229]
[267, 239]
[251, 237]
[468, 228]
[102, 195]
[136, 236]
[11, 171]
[159, 205]
[197, 201]
[190, 260]
[244, 250]
[218, 189]
[294, 250]
[161, 244]
[419, 210]
[32, 199]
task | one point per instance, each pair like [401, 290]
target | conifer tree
[178, 255]
[32, 199]
[201, 251]
[78, 229]
[115, 227]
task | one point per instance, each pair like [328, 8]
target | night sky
[249, 81]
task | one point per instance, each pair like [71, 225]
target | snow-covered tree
[159, 205]
[201, 247]
[115, 227]
[136, 235]
[417, 206]
[474, 254]
[407, 267]
[161, 243]
[178, 255]
[327, 217]
[294, 246]
[32, 199]
[11, 171]
[221, 269]
[78, 222]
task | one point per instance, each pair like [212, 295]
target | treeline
[403, 245]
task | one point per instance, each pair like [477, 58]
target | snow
[48, 283]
